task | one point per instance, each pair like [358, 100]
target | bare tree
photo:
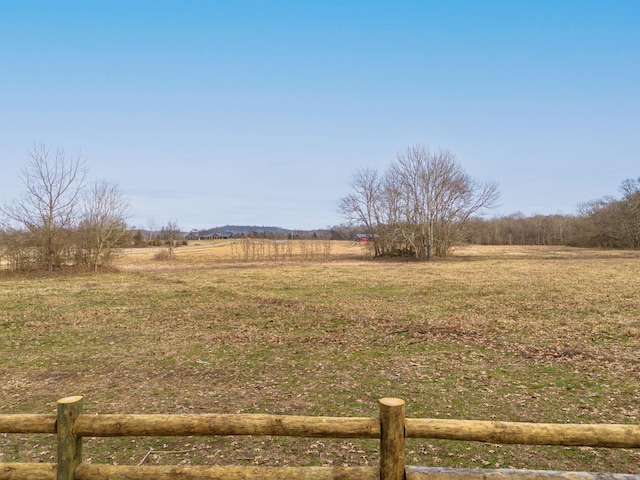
[16, 249]
[362, 206]
[58, 221]
[412, 181]
[103, 224]
[611, 222]
[48, 210]
[171, 234]
[630, 187]
[151, 223]
[630, 212]
[421, 204]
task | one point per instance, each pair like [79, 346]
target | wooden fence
[70, 425]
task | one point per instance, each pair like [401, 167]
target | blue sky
[258, 112]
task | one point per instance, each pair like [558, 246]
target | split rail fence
[391, 428]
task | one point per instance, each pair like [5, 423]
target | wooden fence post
[69, 445]
[392, 439]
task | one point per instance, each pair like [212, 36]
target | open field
[548, 334]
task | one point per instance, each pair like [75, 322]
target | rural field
[533, 334]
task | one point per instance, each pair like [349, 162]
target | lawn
[536, 334]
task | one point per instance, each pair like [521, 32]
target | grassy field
[539, 334]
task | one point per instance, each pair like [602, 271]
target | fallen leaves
[505, 336]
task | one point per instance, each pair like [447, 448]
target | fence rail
[207, 424]
[584, 435]
[391, 427]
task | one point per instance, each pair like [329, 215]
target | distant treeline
[608, 223]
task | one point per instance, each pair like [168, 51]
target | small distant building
[366, 237]
[216, 235]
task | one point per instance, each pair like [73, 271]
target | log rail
[391, 427]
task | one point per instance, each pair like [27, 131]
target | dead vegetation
[523, 334]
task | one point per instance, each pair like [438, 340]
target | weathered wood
[392, 428]
[27, 471]
[27, 423]
[121, 472]
[223, 424]
[615, 436]
[392, 439]
[437, 473]
[69, 444]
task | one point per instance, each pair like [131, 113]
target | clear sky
[258, 112]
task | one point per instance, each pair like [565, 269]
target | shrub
[163, 256]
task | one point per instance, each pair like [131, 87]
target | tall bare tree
[48, 210]
[363, 205]
[420, 205]
[438, 197]
[103, 225]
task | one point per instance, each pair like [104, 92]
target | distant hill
[250, 228]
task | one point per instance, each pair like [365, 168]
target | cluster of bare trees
[419, 206]
[609, 223]
[518, 229]
[612, 222]
[61, 220]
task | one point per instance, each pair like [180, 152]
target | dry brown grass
[511, 333]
